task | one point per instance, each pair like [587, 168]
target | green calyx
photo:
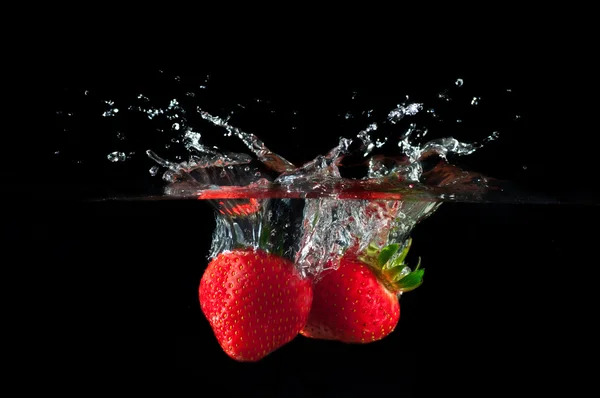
[389, 263]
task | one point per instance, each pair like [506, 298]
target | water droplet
[153, 170]
[175, 126]
[86, 92]
[524, 167]
[509, 90]
[459, 82]
[56, 152]
[190, 94]
[458, 120]
[120, 135]
[169, 176]
[177, 78]
[348, 115]
[116, 156]
[246, 168]
[444, 95]
[517, 117]
[475, 101]
[354, 94]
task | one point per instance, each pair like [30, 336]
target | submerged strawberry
[358, 302]
[254, 301]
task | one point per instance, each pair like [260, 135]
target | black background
[110, 289]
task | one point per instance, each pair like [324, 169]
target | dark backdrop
[110, 289]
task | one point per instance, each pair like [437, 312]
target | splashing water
[373, 188]
[257, 198]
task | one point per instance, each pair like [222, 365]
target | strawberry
[358, 302]
[255, 302]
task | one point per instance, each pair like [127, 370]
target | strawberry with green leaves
[359, 301]
[255, 302]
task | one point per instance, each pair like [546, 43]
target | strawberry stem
[389, 263]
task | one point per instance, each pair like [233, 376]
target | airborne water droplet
[444, 95]
[475, 101]
[153, 170]
[459, 82]
[116, 156]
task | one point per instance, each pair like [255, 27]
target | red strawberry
[358, 302]
[254, 301]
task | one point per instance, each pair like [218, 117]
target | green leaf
[395, 274]
[418, 264]
[411, 281]
[387, 253]
[398, 261]
[265, 234]
[372, 250]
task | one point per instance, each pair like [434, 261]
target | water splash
[371, 188]
[270, 159]
[393, 196]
